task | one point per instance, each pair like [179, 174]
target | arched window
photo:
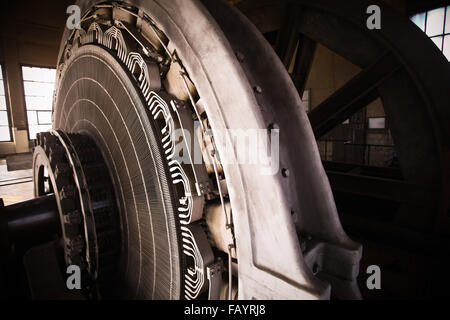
[436, 24]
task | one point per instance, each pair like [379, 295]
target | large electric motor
[151, 203]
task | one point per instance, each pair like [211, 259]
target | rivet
[315, 269]
[257, 89]
[240, 56]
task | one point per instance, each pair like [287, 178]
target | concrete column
[16, 98]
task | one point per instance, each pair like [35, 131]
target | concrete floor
[15, 186]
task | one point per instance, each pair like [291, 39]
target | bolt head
[258, 89]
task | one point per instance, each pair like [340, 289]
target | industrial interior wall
[26, 42]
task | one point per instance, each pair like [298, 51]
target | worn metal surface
[280, 104]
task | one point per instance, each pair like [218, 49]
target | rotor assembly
[72, 168]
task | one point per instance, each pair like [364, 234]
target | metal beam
[354, 95]
[303, 62]
[380, 188]
[288, 35]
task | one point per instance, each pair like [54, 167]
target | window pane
[447, 47]
[32, 118]
[438, 42]
[4, 118]
[447, 21]
[38, 86]
[27, 73]
[38, 103]
[51, 75]
[43, 128]
[435, 22]
[38, 74]
[419, 20]
[44, 117]
[39, 89]
[5, 134]
[47, 75]
[2, 103]
[35, 129]
[377, 123]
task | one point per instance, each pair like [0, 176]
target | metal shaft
[30, 219]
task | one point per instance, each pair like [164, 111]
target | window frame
[377, 129]
[24, 95]
[8, 109]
